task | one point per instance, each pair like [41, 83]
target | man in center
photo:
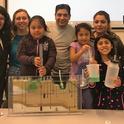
[63, 34]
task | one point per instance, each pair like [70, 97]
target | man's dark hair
[63, 6]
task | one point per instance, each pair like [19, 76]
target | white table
[86, 117]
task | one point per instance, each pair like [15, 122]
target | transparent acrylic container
[93, 70]
[40, 95]
[111, 74]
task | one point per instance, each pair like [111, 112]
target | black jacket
[27, 51]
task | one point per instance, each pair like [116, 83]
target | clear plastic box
[31, 95]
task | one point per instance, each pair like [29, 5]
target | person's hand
[85, 48]
[86, 73]
[92, 61]
[42, 71]
[37, 61]
[117, 82]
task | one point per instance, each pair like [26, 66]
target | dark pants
[87, 99]
[2, 88]
[60, 81]
[85, 95]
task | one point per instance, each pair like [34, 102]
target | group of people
[64, 51]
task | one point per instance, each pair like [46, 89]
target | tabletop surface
[86, 116]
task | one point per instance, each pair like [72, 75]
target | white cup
[93, 70]
[111, 74]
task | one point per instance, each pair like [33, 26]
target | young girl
[29, 54]
[20, 23]
[107, 98]
[80, 53]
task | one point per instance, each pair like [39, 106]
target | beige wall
[2, 2]
[119, 32]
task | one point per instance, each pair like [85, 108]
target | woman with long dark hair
[5, 37]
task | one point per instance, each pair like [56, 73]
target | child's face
[36, 29]
[21, 21]
[2, 21]
[83, 36]
[104, 46]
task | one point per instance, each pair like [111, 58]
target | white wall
[82, 10]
